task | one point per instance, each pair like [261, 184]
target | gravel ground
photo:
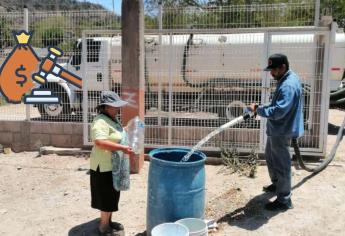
[49, 195]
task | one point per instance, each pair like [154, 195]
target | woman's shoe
[116, 226]
[107, 232]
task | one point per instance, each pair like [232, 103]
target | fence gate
[197, 80]
[308, 51]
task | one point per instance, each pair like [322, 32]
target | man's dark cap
[276, 60]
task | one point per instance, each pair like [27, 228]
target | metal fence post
[85, 105]
[266, 85]
[327, 64]
[160, 27]
[26, 28]
[170, 90]
[317, 13]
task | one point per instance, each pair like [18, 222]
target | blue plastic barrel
[176, 189]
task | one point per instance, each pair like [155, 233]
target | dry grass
[235, 163]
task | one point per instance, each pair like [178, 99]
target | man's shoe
[278, 206]
[269, 188]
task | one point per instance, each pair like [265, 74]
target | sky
[108, 4]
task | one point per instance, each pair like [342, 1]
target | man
[284, 122]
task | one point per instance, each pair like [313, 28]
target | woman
[107, 135]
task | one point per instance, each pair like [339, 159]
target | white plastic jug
[136, 134]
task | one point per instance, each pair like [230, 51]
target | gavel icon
[49, 65]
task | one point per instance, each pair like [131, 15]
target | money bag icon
[16, 71]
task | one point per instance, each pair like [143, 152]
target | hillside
[13, 5]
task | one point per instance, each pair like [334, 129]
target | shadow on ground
[252, 216]
[89, 229]
[141, 234]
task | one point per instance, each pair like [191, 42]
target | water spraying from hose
[231, 123]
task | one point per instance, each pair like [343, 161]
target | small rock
[334, 186]
[19, 168]
[7, 150]
[3, 211]
[82, 169]
[65, 193]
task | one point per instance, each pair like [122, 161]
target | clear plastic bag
[136, 134]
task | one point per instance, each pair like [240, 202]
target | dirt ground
[49, 195]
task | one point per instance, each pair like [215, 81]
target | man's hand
[253, 107]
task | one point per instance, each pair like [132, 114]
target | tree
[5, 33]
[336, 8]
[49, 32]
[236, 18]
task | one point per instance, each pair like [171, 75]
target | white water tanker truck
[210, 72]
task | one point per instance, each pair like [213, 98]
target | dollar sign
[21, 82]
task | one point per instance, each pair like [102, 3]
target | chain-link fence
[199, 81]
[8, 23]
[203, 66]
[234, 16]
[60, 29]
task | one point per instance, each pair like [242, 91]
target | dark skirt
[103, 195]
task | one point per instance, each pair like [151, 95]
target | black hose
[328, 160]
[338, 93]
[212, 82]
[337, 102]
[184, 66]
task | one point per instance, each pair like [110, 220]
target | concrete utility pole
[133, 84]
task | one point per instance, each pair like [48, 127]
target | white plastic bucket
[196, 227]
[170, 229]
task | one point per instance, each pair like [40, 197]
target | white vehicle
[198, 64]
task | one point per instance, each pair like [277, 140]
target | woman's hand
[112, 146]
[128, 150]
[125, 128]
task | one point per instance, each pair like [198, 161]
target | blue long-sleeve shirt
[284, 113]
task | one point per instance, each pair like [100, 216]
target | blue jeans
[278, 160]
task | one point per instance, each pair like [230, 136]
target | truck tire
[55, 111]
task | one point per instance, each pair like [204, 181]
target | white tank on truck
[228, 64]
